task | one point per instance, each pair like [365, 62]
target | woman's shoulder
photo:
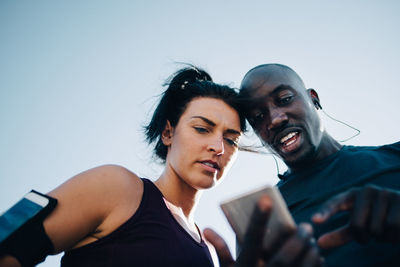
[113, 175]
[112, 170]
[106, 186]
[105, 177]
[121, 191]
[118, 180]
[103, 189]
[93, 204]
[115, 183]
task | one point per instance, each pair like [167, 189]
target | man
[362, 181]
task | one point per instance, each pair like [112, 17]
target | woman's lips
[210, 166]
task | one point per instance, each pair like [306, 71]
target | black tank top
[151, 237]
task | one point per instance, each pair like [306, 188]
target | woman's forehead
[215, 110]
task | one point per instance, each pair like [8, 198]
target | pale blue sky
[78, 79]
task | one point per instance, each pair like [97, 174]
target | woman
[108, 216]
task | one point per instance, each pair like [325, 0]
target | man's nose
[217, 145]
[278, 118]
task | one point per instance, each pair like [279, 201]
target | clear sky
[78, 80]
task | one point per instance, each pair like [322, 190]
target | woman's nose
[217, 146]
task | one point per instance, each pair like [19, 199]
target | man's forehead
[262, 80]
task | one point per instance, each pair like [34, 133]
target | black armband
[22, 233]
[30, 246]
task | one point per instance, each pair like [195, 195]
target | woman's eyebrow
[205, 120]
[232, 131]
[211, 123]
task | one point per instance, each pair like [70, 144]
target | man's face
[281, 112]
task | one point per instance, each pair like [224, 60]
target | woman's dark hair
[182, 87]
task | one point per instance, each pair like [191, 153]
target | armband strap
[31, 245]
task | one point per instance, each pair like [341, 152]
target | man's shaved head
[265, 72]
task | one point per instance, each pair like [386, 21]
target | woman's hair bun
[186, 76]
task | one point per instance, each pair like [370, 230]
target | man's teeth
[289, 143]
[287, 137]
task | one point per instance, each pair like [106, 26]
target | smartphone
[238, 211]
[33, 206]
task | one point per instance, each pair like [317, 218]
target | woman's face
[203, 145]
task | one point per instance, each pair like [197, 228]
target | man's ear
[314, 98]
[166, 135]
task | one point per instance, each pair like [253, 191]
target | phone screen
[238, 211]
[16, 216]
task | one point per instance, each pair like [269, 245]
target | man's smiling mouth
[289, 139]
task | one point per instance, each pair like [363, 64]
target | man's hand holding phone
[293, 246]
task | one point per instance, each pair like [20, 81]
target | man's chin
[287, 155]
[298, 159]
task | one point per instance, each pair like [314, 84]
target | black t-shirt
[352, 166]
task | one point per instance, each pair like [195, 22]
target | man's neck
[328, 147]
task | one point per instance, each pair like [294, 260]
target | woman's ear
[166, 135]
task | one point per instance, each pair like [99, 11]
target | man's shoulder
[361, 160]
[353, 148]
[349, 159]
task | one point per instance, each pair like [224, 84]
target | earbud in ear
[314, 97]
[317, 104]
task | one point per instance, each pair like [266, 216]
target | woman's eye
[231, 142]
[200, 129]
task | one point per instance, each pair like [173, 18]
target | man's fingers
[224, 255]
[341, 202]
[379, 212]
[312, 258]
[392, 223]
[335, 238]
[360, 215]
[294, 248]
[374, 212]
[253, 240]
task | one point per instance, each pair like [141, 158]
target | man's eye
[285, 100]
[257, 117]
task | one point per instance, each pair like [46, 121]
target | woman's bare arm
[95, 203]
[90, 205]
